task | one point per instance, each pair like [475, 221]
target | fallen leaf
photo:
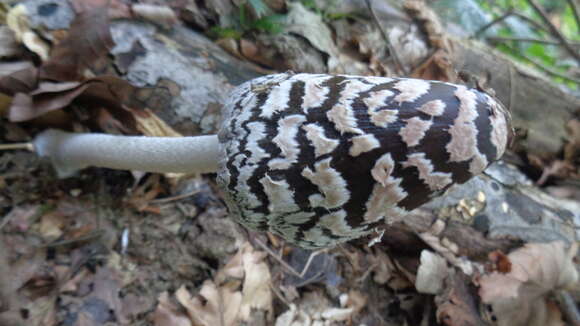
[107, 286]
[432, 273]
[51, 225]
[456, 306]
[168, 314]
[9, 46]
[47, 97]
[436, 67]
[520, 297]
[257, 282]
[89, 40]
[21, 271]
[7, 68]
[409, 45]
[17, 21]
[313, 309]
[213, 306]
[19, 81]
[310, 26]
[386, 272]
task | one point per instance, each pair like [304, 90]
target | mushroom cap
[321, 159]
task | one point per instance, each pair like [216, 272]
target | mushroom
[318, 159]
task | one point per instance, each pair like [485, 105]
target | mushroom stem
[70, 152]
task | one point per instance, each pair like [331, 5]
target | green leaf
[271, 24]
[541, 51]
[225, 32]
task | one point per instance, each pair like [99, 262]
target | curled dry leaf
[225, 301]
[213, 306]
[520, 297]
[47, 97]
[257, 281]
[314, 309]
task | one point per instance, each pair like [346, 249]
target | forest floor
[126, 248]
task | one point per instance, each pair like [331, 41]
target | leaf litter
[185, 262]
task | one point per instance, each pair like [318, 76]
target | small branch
[574, 5]
[493, 22]
[554, 31]
[16, 146]
[528, 40]
[532, 22]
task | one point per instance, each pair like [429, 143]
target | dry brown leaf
[89, 40]
[314, 309]
[7, 68]
[51, 225]
[9, 47]
[21, 271]
[17, 21]
[456, 306]
[257, 282]
[213, 306]
[168, 314]
[107, 286]
[47, 97]
[385, 272]
[311, 26]
[19, 81]
[436, 67]
[520, 296]
[233, 269]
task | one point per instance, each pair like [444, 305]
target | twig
[173, 198]
[493, 22]
[512, 88]
[574, 6]
[392, 50]
[26, 146]
[529, 40]
[542, 67]
[278, 258]
[532, 22]
[554, 31]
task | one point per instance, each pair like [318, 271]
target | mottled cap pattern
[322, 159]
